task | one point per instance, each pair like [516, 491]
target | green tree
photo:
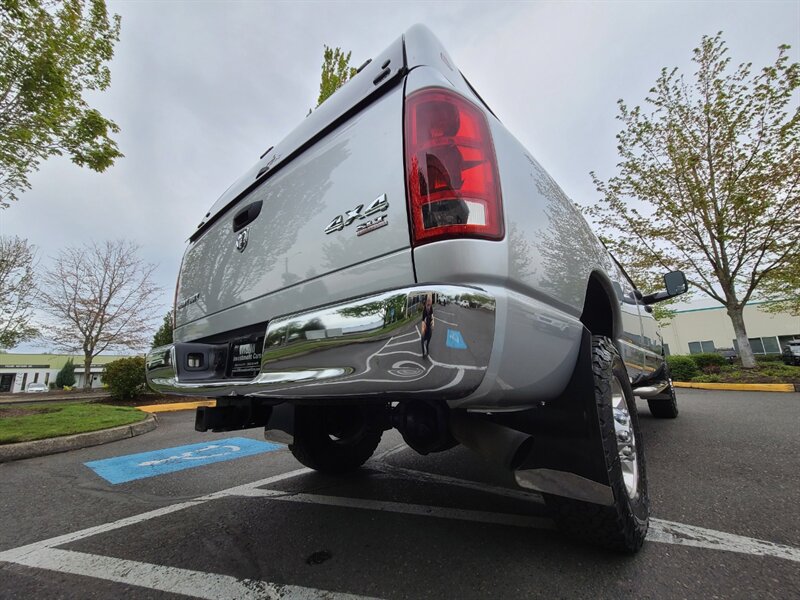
[51, 53]
[17, 291]
[709, 178]
[784, 288]
[336, 71]
[125, 377]
[66, 376]
[164, 334]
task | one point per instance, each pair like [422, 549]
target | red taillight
[453, 187]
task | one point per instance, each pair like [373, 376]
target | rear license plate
[246, 358]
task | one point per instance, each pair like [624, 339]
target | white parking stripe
[146, 516]
[665, 532]
[403, 343]
[404, 473]
[44, 555]
[460, 514]
[443, 321]
[668, 532]
[16, 553]
[661, 531]
[449, 366]
[397, 337]
[169, 579]
[234, 491]
[414, 333]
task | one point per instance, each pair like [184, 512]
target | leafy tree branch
[51, 53]
[708, 180]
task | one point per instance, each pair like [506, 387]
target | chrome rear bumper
[370, 347]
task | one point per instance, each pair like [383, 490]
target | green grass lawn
[37, 422]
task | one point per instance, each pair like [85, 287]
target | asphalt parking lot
[250, 523]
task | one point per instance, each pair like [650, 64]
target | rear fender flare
[601, 312]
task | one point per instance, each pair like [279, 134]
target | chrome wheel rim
[626, 440]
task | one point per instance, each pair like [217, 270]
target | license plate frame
[245, 361]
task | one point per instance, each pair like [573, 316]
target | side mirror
[675, 284]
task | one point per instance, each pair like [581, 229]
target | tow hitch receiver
[230, 417]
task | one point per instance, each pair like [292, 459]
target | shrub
[125, 377]
[707, 359]
[712, 369]
[682, 368]
[65, 378]
[769, 358]
[707, 379]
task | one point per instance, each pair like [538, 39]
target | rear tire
[621, 527]
[665, 405]
[334, 439]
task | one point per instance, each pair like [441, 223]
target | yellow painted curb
[156, 408]
[737, 387]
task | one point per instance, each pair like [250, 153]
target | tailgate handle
[246, 216]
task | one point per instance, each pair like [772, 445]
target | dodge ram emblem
[241, 240]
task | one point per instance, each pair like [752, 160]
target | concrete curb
[21, 450]
[157, 408]
[19, 398]
[739, 387]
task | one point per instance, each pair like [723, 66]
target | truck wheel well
[598, 313]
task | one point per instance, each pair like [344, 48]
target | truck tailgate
[339, 203]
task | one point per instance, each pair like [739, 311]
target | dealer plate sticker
[158, 462]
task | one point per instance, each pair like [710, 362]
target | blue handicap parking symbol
[455, 340]
[157, 462]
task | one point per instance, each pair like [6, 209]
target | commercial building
[17, 371]
[706, 329]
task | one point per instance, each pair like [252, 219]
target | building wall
[19, 370]
[690, 331]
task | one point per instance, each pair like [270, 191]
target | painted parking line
[174, 580]
[406, 508]
[198, 584]
[661, 531]
[130, 467]
[46, 555]
[436, 319]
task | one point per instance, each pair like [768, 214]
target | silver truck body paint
[537, 274]
[287, 246]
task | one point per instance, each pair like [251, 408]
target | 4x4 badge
[380, 204]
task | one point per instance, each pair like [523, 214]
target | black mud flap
[566, 451]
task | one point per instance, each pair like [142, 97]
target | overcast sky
[201, 89]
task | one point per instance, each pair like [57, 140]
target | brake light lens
[453, 186]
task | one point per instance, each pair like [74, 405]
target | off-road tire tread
[613, 527]
[314, 449]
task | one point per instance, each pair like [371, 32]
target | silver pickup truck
[401, 261]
